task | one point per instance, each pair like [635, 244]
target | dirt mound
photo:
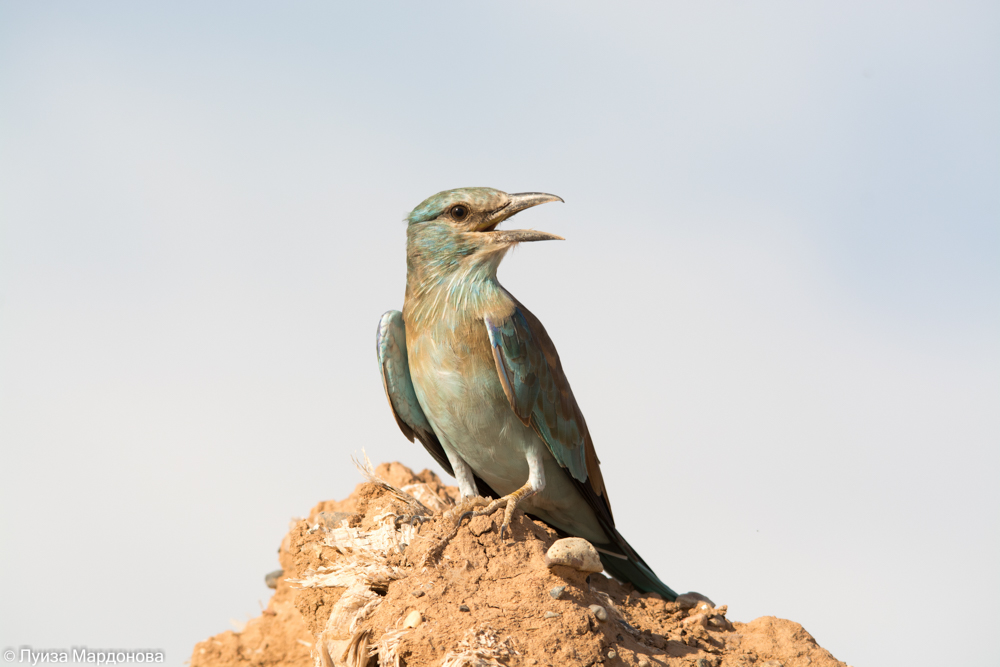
[361, 587]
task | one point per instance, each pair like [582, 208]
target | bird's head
[479, 211]
[458, 228]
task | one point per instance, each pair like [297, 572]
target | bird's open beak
[518, 202]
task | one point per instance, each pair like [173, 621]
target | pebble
[552, 614]
[691, 599]
[463, 607]
[600, 612]
[612, 654]
[628, 626]
[271, 578]
[413, 619]
[644, 662]
[574, 552]
[417, 593]
[557, 592]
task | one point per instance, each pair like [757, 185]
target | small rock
[417, 593]
[557, 591]
[271, 578]
[772, 663]
[644, 662]
[463, 607]
[413, 619]
[689, 600]
[600, 612]
[552, 614]
[628, 626]
[612, 654]
[574, 552]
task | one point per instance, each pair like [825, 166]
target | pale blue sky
[778, 301]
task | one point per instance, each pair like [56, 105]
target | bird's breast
[456, 382]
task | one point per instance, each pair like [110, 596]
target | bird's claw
[466, 508]
[508, 503]
[499, 503]
[503, 530]
[470, 514]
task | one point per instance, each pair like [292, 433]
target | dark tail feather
[636, 573]
[628, 566]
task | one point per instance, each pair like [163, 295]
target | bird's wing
[540, 395]
[395, 367]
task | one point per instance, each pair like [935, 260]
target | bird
[472, 374]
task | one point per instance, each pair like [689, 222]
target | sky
[778, 301]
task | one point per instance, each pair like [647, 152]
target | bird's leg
[466, 486]
[463, 473]
[535, 484]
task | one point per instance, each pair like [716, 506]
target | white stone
[599, 612]
[574, 552]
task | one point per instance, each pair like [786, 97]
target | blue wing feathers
[395, 366]
[538, 393]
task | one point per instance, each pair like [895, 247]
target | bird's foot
[466, 507]
[508, 502]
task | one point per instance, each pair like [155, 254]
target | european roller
[472, 374]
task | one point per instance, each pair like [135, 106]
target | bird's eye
[459, 212]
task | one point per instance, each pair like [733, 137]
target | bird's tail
[636, 572]
[618, 557]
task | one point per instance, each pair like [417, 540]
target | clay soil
[358, 590]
